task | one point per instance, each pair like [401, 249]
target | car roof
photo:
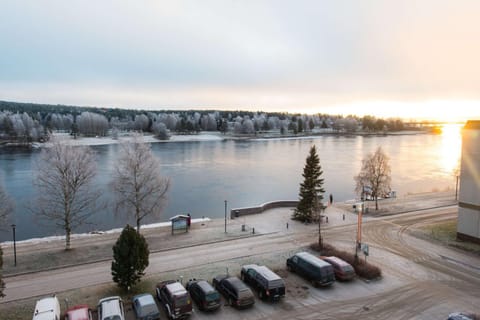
[336, 260]
[264, 271]
[237, 283]
[144, 299]
[79, 312]
[205, 286]
[176, 288]
[45, 308]
[110, 306]
[312, 259]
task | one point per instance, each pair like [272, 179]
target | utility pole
[225, 216]
[14, 246]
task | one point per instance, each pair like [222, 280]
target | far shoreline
[198, 137]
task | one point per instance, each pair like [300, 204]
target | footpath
[44, 255]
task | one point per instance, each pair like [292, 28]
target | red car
[80, 312]
[343, 270]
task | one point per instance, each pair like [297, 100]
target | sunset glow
[391, 59]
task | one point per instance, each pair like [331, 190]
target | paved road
[421, 280]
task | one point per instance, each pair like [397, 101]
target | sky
[410, 59]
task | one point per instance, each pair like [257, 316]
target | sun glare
[451, 147]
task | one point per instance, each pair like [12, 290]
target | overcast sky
[387, 58]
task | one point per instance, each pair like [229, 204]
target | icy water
[246, 173]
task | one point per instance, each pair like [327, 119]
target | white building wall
[469, 196]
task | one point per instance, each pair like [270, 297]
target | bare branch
[64, 180]
[139, 188]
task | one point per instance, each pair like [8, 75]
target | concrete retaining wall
[235, 213]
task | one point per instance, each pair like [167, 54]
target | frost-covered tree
[92, 124]
[130, 258]
[6, 206]
[64, 179]
[141, 122]
[160, 130]
[137, 183]
[375, 176]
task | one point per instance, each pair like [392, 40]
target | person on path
[331, 199]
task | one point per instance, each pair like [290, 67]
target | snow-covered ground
[95, 141]
[83, 235]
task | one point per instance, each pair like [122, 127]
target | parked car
[461, 316]
[80, 312]
[111, 308]
[205, 296]
[312, 268]
[234, 290]
[47, 309]
[175, 299]
[343, 270]
[145, 307]
[267, 283]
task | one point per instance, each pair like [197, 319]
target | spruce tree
[130, 258]
[311, 191]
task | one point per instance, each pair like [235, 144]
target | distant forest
[32, 122]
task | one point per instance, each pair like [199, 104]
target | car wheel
[289, 268]
[242, 276]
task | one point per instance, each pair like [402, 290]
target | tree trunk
[138, 225]
[320, 240]
[67, 238]
[376, 203]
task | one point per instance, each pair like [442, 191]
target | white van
[47, 309]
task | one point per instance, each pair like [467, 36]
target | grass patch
[446, 233]
[362, 269]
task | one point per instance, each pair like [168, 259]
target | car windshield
[212, 296]
[181, 300]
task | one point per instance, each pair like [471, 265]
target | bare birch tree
[137, 184]
[6, 206]
[64, 181]
[374, 175]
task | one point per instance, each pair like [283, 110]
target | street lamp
[225, 216]
[14, 246]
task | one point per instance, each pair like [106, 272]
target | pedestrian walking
[331, 199]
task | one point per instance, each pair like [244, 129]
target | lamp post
[14, 246]
[456, 187]
[225, 216]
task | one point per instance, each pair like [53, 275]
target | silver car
[145, 307]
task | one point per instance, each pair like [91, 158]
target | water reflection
[205, 174]
[450, 147]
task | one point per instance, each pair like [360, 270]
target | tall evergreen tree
[130, 258]
[311, 190]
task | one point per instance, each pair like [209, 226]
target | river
[204, 174]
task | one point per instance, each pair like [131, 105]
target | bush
[362, 269]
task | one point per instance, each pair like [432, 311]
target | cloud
[277, 54]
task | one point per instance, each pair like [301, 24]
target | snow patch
[94, 233]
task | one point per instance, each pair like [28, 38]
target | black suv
[263, 280]
[234, 290]
[204, 295]
[175, 299]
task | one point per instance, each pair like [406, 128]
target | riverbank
[48, 253]
[201, 136]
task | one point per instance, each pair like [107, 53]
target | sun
[451, 147]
